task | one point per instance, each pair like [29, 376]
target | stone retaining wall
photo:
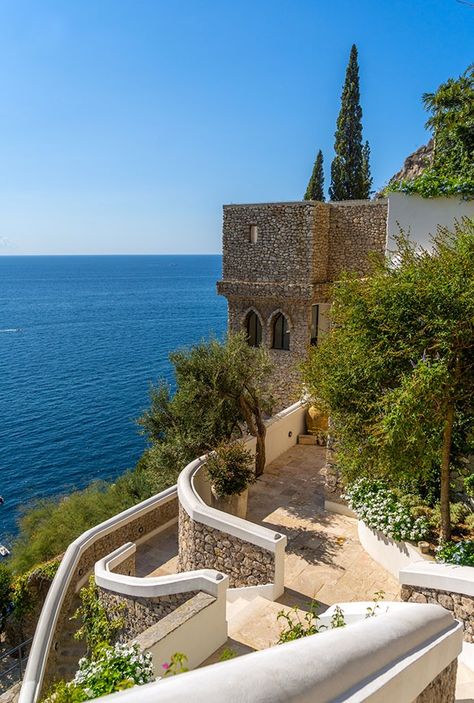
[203, 547]
[461, 606]
[141, 613]
[65, 651]
[443, 688]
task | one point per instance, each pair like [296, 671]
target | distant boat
[4, 552]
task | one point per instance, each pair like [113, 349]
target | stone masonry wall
[460, 605]
[443, 688]
[301, 249]
[355, 229]
[141, 613]
[284, 249]
[65, 651]
[203, 547]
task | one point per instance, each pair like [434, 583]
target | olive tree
[222, 392]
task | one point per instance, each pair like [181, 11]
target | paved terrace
[324, 559]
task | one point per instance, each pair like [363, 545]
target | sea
[82, 338]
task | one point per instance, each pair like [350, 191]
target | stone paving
[324, 558]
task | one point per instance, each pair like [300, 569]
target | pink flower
[165, 666]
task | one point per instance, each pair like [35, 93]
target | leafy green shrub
[469, 522]
[460, 553]
[458, 513]
[230, 469]
[24, 588]
[100, 625]
[433, 184]
[5, 593]
[296, 628]
[114, 669]
[469, 485]
[49, 526]
[381, 509]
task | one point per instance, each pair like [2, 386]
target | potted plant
[230, 471]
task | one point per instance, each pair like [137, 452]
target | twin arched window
[281, 332]
[254, 329]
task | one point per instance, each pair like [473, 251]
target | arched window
[254, 329]
[281, 332]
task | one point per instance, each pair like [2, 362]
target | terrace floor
[324, 558]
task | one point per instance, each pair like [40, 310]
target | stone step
[257, 624]
[235, 607]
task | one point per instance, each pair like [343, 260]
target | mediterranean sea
[81, 339]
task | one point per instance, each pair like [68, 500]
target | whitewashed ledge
[387, 552]
[442, 577]
[391, 658]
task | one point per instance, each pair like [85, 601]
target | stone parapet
[203, 547]
[462, 606]
[141, 613]
[443, 688]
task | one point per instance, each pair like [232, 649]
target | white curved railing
[42, 641]
[385, 659]
[282, 431]
[207, 580]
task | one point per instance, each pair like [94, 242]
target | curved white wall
[387, 659]
[390, 554]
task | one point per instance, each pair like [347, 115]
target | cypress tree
[315, 189]
[366, 168]
[349, 177]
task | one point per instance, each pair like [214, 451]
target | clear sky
[126, 124]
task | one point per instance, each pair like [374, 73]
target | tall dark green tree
[315, 189]
[350, 169]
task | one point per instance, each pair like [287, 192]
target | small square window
[253, 234]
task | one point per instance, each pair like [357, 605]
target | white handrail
[386, 659]
[207, 580]
[34, 674]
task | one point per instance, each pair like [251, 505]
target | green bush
[100, 625]
[458, 512]
[469, 485]
[114, 669]
[49, 526]
[460, 553]
[5, 593]
[24, 588]
[230, 469]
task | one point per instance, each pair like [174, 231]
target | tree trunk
[445, 532]
[256, 427]
[260, 457]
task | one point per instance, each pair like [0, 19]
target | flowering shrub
[116, 668]
[461, 553]
[381, 509]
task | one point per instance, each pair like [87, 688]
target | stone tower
[279, 261]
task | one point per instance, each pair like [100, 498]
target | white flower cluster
[381, 509]
[122, 662]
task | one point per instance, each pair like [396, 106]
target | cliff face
[414, 165]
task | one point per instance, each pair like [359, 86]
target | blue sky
[126, 124]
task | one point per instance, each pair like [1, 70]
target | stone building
[279, 261]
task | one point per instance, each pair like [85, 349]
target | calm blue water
[81, 338]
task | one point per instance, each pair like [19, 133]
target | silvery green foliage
[381, 509]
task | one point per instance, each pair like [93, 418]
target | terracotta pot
[234, 505]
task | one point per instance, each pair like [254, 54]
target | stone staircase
[254, 623]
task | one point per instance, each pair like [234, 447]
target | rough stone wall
[301, 249]
[443, 688]
[460, 605]
[284, 248]
[203, 547]
[355, 229]
[65, 651]
[286, 379]
[141, 613]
